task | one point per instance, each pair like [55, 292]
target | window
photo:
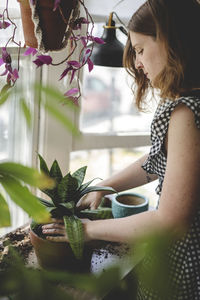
[17, 142]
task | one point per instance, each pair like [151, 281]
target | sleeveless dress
[184, 254]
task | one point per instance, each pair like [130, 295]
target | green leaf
[26, 111]
[80, 175]
[55, 96]
[55, 172]
[4, 213]
[46, 203]
[96, 188]
[85, 185]
[100, 213]
[69, 205]
[26, 174]
[23, 198]
[67, 187]
[43, 165]
[62, 118]
[74, 229]
[4, 94]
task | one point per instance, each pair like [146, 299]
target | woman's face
[151, 55]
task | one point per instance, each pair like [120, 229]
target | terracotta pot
[27, 24]
[58, 255]
[49, 26]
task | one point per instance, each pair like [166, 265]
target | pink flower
[90, 64]
[71, 92]
[4, 25]
[78, 22]
[6, 56]
[43, 60]
[30, 51]
[74, 100]
[72, 66]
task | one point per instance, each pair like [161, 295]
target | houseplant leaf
[96, 188]
[46, 203]
[22, 197]
[61, 117]
[67, 187]
[80, 175]
[43, 165]
[55, 172]
[26, 111]
[95, 214]
[74, 229]
[4, 213]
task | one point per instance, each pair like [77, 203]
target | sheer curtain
[16, 139]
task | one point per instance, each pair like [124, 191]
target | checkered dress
[184, 254]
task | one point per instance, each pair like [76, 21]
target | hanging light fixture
[109, 54]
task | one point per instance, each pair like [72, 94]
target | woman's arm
[130, 177]
[180, 196]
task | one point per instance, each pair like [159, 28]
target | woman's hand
[56, 231]
[91, 200]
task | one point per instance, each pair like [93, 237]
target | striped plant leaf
[74, 229]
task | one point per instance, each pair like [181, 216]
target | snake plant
[67, 191]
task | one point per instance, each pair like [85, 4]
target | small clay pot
[59, 255]
[127, 204]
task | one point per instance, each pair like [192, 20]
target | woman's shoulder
[191, 101]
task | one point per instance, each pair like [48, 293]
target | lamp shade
[109, 54]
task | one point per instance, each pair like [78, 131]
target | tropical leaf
[85, 185]
[67, 187]
[55, 96]
[26, 174]
[80, 175]
[55, 172]
[53, 194]
[69, 205]
[96, 188]
[74, 229]
[95, 214]
[43, 165]
[46, 203]
[4, 94]
[23, 198]
[26, 111]
[4, 213]
[62, 118]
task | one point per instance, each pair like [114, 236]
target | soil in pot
[130, 200]
[58, 255]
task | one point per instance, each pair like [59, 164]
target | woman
[163, 52]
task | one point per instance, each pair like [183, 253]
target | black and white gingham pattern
[184, 255]
[156, 162]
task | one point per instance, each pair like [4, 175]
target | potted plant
[68, 190]
[75, 34]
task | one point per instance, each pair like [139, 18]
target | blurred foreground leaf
[54, 101]
[25, 199]
[4, 213]
[26, 174]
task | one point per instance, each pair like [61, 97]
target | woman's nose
[138, 64]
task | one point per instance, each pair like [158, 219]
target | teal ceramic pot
[127, 204]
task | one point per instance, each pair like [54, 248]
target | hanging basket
[50, 27]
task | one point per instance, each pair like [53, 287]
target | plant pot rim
[146, 201]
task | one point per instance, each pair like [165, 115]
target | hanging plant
[53, 25]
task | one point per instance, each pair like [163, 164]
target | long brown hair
[177, 24]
